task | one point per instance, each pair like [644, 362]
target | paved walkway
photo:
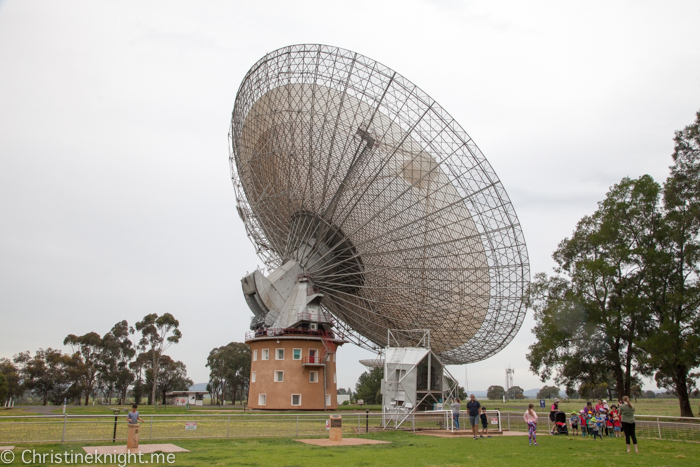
[41, 409]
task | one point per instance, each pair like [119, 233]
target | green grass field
[415, 450]
[666, 407]
[150, 410]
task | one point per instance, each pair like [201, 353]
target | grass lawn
[668, 407]
[16, 411]
[414, 450]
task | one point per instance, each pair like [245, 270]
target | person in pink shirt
[530, 418]
[599, 406]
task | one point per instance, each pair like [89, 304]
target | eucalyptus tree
[118, 353]
[89, 348]
[12, 377]
[172, 376]
[45, 373]
[229, 370]
[588, 315]
[672, 338]
[158, 334]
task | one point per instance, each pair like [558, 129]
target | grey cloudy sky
[115, 195]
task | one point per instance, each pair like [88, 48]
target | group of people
[595, 421]
[476, 413]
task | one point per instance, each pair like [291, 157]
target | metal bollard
[65, 420]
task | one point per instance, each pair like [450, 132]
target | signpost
[542, 403]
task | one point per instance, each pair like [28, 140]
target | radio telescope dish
[358, 189]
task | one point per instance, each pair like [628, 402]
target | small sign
[494, 420]
[328, 424]
[542, 403]
[189, 426]
[336, 422]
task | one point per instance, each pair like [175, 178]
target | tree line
[624, 298]
[125, 357]
[229, 372]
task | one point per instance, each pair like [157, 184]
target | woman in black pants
[628, 422]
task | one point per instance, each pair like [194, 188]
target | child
[574, 423]
[133, 416]
[484, 423]
[530, 418]
[592, 427]
[609, 425]
[582, 421]
[617, 422]
[600, 424]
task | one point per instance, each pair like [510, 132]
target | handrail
[448, 416]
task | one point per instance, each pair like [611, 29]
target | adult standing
[599, 406]
[456, 407]
[552, 414]
[628, 422]
[473, 407]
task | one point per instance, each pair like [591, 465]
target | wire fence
[108, 428]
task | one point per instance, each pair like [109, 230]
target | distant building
[182, 398]
[342, 398]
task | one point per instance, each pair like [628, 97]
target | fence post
[228, 427]
[658, 425]
[508, 416]
[65, 419]
[150, 431]
[297, 426]
[549, 424]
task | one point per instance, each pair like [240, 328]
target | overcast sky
[115, 193]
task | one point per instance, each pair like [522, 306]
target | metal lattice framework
[335, 155]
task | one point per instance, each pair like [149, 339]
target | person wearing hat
[552, 413]
[574, 423]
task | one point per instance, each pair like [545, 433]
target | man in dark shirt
[473, 407]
